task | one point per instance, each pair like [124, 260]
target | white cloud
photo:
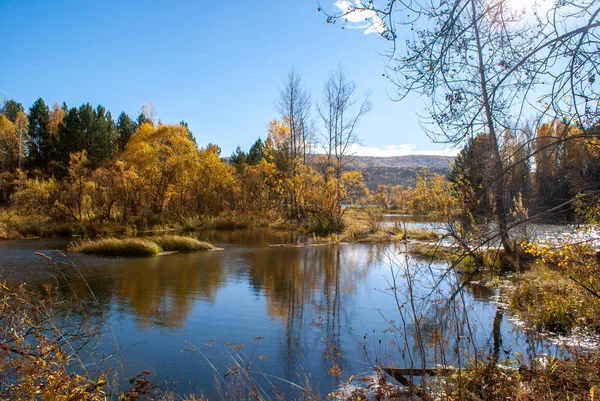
[360, 19]
[398, 150]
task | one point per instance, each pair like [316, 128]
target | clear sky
[216, 65]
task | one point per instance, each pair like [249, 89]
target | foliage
[560, 292]
[433, 196]
[325, 198]
[37, 347]
[41, 142]
[86, 129]
[549, 378]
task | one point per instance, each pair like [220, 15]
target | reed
[117, 247]
[179, 243]
[147, 246]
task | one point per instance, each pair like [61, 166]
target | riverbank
[14, 226]
[359, 226]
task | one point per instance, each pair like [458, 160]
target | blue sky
[216, 65]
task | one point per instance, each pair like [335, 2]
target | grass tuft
[118, 247]
[140, 246]
[180, 243]
[549, 301]
[419, 234]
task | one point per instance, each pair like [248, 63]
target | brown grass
[147, 246]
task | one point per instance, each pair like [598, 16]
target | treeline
[72, 165]
[41, 140]
[553, 173]
[78, 164]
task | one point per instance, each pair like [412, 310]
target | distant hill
[398, 170]
[412, 161]
[405, 176]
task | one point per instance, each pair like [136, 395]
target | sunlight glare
[528, 6]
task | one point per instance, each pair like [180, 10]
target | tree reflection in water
[315, 306]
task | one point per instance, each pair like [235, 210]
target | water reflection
[315, 305]
[162, 290]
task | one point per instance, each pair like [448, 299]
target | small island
[145, 246]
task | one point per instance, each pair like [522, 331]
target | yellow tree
[161, 157]
[76, 198]
[21, 128]
[9, 144]
[214, 184]
[258, 187]
[326, 200]
[11, 147]
[279, 150]
[561, 154]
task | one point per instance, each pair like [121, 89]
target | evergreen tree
[256, 154]
[89, 129]
[238, 156]
[40, 142]
[11, 109]
[471, 175]
[125, 129]
[99, 141]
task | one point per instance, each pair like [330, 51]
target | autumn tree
[9, 154]
[565, 157]
[340, 111]
[57, 114]
[295, 107]
[13, 142]
[163, 159]
[259, 185]
[9, 145]
[21, 124]
[76, 187]
[325, 199]
[278, 151]
[189, 132]
[479, 65]
[213, 183]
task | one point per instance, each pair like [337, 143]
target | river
[299, 310]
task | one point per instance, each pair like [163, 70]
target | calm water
[314, 306]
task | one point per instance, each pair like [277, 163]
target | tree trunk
[498, 173]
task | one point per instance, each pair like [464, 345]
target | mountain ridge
[408, 161]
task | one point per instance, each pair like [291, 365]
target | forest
[68, 169]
